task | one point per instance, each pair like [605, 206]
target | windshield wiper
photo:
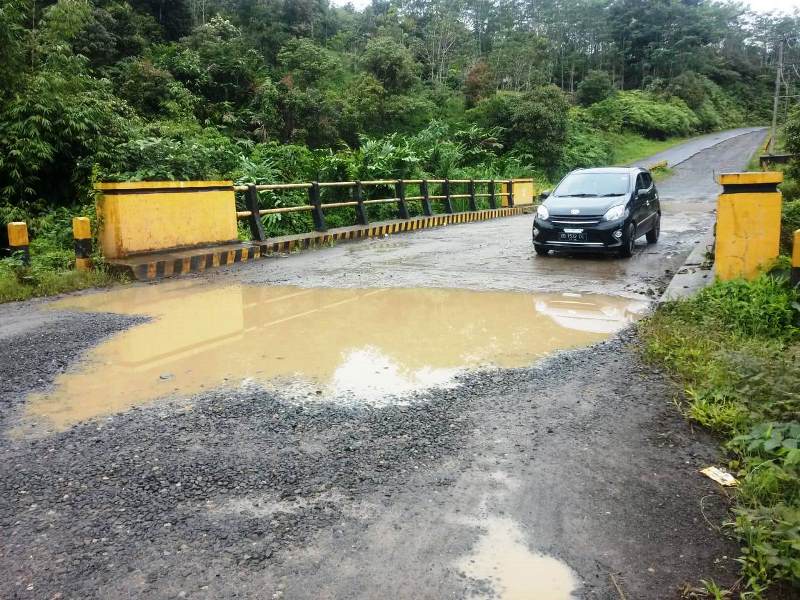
[579, 196]
[609, 195]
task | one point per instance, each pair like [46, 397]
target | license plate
[573, 237]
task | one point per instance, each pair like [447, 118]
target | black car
[597, 210]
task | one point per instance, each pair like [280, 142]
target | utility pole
[771, 149]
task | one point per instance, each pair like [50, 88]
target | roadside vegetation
[735, 349]
[277, 91]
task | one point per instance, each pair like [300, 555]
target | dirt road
[571, 476]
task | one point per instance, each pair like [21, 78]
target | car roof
[611, 170]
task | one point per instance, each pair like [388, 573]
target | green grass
[735, 349]
[630, 147]
[18, 282]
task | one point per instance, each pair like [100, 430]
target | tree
[390, 63]
[306, 62]
[479, 83]
[13, 36]
[595, 87]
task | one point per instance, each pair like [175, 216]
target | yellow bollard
[796, 258]
[748, 223]
[18, 240]
[82, 232]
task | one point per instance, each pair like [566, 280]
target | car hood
[564, 205]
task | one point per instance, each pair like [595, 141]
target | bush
[533, 124]
[645, 114]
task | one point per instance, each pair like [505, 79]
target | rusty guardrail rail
[358, 200]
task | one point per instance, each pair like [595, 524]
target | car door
[650, 208]
[638, 204]
[645, 202]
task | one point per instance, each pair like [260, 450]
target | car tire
[628, 242]
[652, 235]
[541, 250]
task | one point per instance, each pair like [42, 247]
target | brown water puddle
[514, 572]
[364, 344]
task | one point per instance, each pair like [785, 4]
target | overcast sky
[760, 5]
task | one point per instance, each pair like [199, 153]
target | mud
[370, 345]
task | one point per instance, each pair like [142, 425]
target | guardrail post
[400, 193]
[361, 210]
[796, 258]
[471, 191]
[426, 198]
[510, 193]
[492, 197]
[82, 234]
[316, 202]
[448, 201]
[256, 226]
[18, 240]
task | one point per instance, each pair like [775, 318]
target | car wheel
[541, 250]
[628, 242]
[652, 235]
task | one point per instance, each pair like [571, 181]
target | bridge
[393, 417]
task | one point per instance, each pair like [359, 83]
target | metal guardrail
[360, 202]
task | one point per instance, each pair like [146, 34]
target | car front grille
[575, 219]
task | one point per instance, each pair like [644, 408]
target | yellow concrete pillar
[82, 233]
[748, 223]
[18, 239]
[796, 258]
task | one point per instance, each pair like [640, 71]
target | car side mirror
[544, 194]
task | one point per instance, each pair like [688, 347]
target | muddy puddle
[357, 344]
[514, 572]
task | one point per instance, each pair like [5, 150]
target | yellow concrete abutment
[152, 216]
[748, 223]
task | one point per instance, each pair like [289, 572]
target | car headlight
[615, 212]
[542, 212]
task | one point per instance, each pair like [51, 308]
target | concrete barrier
[748, 223]
[796, 258]
[155, 216]
[18, 240]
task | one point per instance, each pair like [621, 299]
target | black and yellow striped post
[82, 233]
[18, 240]
[796, 258]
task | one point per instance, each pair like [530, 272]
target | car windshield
[593, 184]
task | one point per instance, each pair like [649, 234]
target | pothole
[502, 559]
[359, 345]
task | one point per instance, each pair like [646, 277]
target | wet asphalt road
[246, 494]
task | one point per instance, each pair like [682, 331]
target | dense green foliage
[146, 89]
[735, 346]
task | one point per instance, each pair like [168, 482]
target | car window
[593, 184]
[647, 180]
[640, 182]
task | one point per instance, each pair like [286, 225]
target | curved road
[572, 478]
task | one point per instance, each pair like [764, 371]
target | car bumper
[599, 237]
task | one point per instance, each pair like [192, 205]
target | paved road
[575, 474]
[685, 151]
